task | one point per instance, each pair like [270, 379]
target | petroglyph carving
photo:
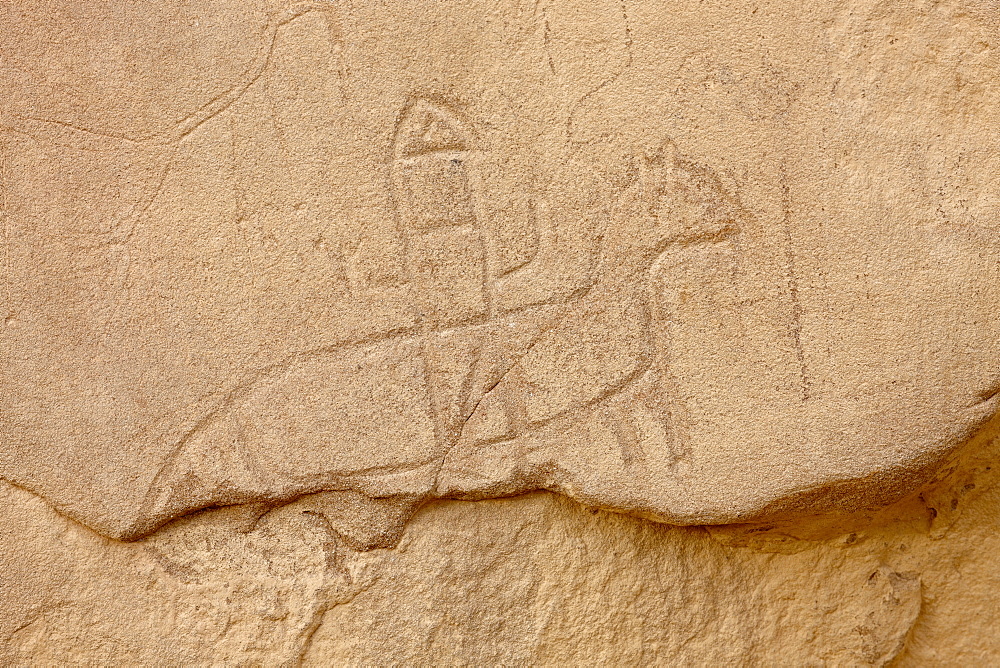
[473, 281]
[606, 340]
[433, 188]
[663, 372]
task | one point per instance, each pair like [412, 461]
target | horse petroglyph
[472, 280]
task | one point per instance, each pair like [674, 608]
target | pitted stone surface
[321, 264]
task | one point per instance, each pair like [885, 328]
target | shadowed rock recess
[279, 279]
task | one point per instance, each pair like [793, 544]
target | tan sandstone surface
[499, 332]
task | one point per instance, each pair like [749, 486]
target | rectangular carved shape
[448, 269]
[435, 191]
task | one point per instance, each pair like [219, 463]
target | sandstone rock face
[304, 306]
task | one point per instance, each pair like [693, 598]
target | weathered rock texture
[533, 580]
[281, 281]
